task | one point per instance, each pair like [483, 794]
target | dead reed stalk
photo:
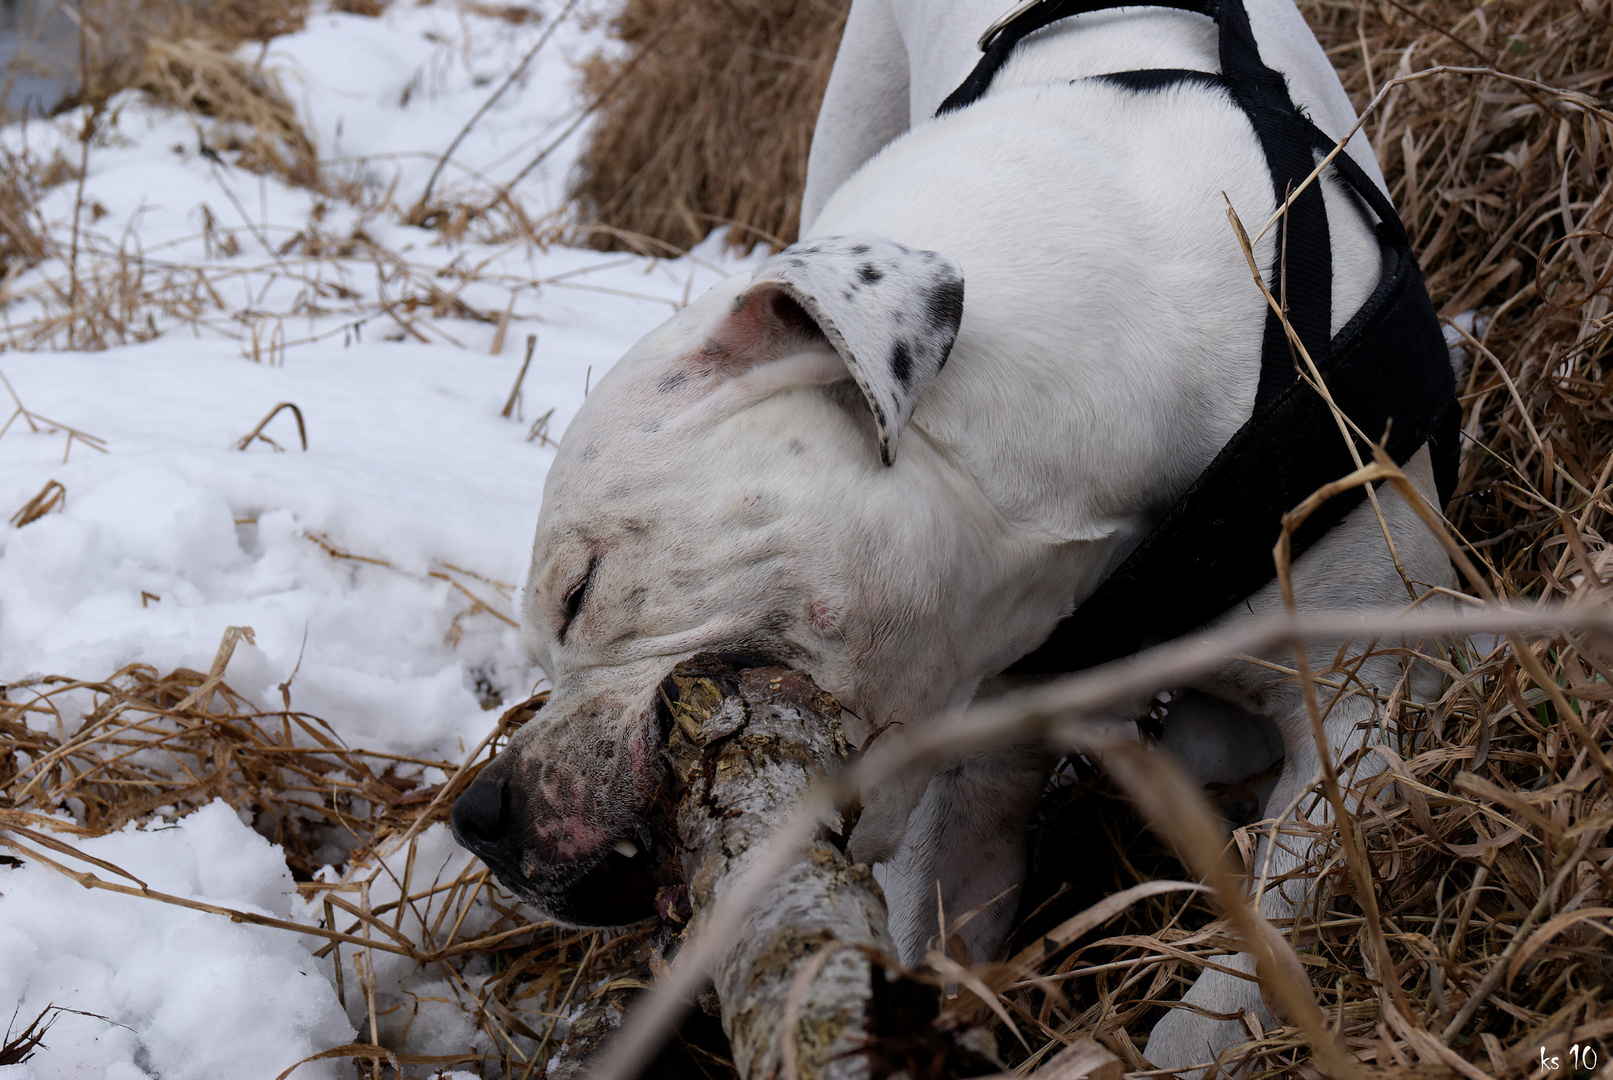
[675, 155]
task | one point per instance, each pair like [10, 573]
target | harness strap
[1388, 369]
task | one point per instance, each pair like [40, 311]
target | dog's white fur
[725, 479]
[1078, 196]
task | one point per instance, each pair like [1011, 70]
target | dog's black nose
[481, 818]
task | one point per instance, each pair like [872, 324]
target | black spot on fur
[902, 364]
[860, 249]
[869, 273]
[670, 383]
[945, 304]
[797, 263]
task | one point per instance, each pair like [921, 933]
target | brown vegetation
[706, 121]
[186, 55]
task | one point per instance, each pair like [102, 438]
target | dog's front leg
[1349, 566]
[967, 835]
[1208, 1020]
[1283, 871]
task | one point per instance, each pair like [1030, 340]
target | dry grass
[253, 119]
[1490, 860]
[152, 746]
[675, 154]
[1505, 189]
[185, 55]
[22, 234]
[119, 35]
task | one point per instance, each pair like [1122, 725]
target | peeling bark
[806, 976]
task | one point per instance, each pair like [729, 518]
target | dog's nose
[481, 819]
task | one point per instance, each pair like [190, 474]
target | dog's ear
[891, 312]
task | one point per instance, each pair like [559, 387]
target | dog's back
[899, 59]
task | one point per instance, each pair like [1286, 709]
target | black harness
[1388, 369]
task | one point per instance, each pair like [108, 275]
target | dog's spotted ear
[891, 312]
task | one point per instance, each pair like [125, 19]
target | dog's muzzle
[607, 880]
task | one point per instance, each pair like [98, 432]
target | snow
[185, 993]
[170, 533]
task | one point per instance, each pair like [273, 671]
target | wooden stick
[807, 984]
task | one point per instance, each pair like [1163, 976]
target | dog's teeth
[626, 848]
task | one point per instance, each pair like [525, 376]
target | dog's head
[734, 484]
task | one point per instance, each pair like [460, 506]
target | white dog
[903, 450]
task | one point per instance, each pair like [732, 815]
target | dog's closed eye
[575, 596]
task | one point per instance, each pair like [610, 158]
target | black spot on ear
[739, 302]
[946, 309]
[797, 263]
[860, 249]
[869, 273]
[713, 347]
[670, 383]
[902, 364]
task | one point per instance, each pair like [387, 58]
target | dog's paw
[1187, 1040]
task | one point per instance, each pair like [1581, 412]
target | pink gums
[578, 837]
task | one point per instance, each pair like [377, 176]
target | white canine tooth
[626, 848]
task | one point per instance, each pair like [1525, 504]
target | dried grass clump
[117, 34]
[257, 123]
[22, 234]
[175, 742]
[705, 121]
[184, 55]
